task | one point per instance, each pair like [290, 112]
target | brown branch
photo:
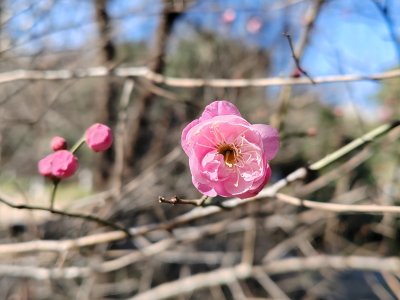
[313, 263]
[384, 11]
[224, 276]
[90, 218]
[285, 94]
[144, 72]
[107, 107]
[178, 200]
[157, 248]
[39, 273]
[199, 212]
[120, 135]
[336, 207]
[296, 59]
[140, 126]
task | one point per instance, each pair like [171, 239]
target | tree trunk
[107, 91]
[141, 129]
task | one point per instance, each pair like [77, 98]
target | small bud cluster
[62, 163]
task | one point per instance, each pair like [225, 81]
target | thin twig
[391, 27]
[78, 145]
[178, 200]
[269, 285]
[56, 182]
[296, 59]
[277, 120]
[68, 214]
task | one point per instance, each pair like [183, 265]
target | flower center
[230, 154]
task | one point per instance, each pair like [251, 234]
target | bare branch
[90, 218]
[288, 265]
[296, 59]
[198, 212]
[43, 273]
[336, 207]
[120, 135]
[177, 200]
[144, 72]
[277, 119]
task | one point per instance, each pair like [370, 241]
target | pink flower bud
[60, 164]
[296, 73]
[98, 137]
[58, 143]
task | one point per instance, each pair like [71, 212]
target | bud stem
[78, 144]
[53, 192]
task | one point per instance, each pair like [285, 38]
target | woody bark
[107, 90]
[140, 129]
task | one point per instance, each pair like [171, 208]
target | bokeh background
[70, 42]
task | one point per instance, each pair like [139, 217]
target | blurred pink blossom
[58, 143]
[228, 16]
[338, 111]
[98, 137]
[60, 164]
[254, 25]
[228, 156]
[312, 131]
[385, 113]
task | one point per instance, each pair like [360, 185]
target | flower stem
[78, 144]
[53, 193]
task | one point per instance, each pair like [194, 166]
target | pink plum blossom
[58, 143]
[98, 137]
[228, 16]
[60, 164]
[228, 156]
[254, 25]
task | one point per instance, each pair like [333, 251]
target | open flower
[228, 156]
[60, 164]
[98, 137]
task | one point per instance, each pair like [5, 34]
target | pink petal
[185, 131]
[236, 185]
[257, 185]
[219, 108]
[203, 188]
[270, 138]
[211, 164]
[44, 165]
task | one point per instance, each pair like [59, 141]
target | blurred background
[94, 58]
